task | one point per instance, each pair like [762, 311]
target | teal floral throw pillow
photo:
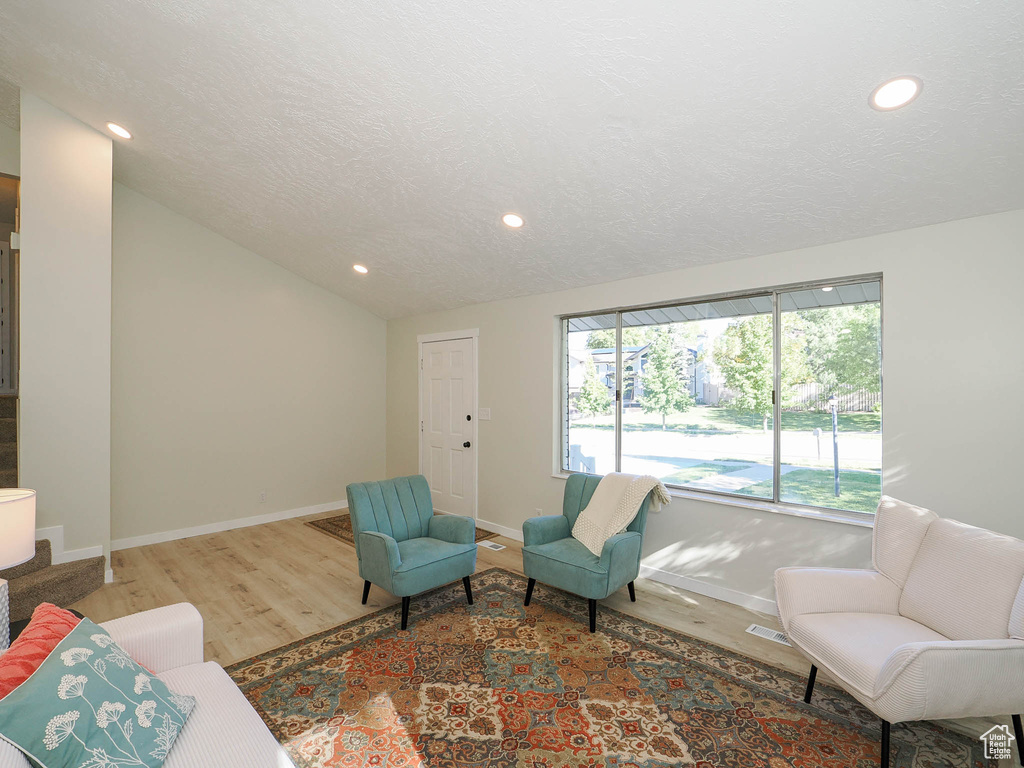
[89, 705]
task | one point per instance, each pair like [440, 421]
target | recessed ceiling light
[360, 269]
[118, 130]
[896, 93]
[826, 288]
[513, 220]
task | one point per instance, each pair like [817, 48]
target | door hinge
[773, 397]
[421, 426]
[421, 363]
[618, 395]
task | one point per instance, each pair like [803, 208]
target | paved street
[660, 453]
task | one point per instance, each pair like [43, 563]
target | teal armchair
[552, 556]
[402, 546]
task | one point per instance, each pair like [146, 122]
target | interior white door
[447, 449]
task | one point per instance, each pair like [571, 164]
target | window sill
[856, 519]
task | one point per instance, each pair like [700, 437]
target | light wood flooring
[265, 586]
[261, 587]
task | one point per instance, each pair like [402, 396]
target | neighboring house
[704, 383]
[634, 359]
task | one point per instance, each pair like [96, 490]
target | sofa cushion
[89, 703]
[428, 563]
[855, 646]
[47, 627]
[400, 507]
[424, 550]
[224, 730]
[899, 530]
[964, 581]
[569, 565]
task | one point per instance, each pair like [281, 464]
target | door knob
[466, 444]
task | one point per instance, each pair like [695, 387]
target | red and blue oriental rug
[498, 684]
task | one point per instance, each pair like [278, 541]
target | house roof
[634, 138]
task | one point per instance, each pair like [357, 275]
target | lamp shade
[17, 526]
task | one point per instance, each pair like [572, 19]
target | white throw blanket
[613, 506]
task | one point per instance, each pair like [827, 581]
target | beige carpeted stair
[38, 581]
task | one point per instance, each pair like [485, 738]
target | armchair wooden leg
[366, 591]
[810, 684]
[1019, 733]
[632, 592]
[593, 616]
[469, 589]
[885, 744]
[529, 590]
[405, 612]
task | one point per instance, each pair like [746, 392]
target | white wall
[953, 371]
[231, 377]
[10, 151]
[64, 422]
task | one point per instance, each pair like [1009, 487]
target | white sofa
[223, 730]
[935, 630]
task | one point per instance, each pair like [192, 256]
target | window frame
[724, 497]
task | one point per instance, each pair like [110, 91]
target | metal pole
[835, 444]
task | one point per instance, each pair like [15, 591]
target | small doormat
[340, 527]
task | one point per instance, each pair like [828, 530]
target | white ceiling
[633, 137]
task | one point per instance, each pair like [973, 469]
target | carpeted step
[8, 406]
[42, 559]
[8, 456]
[61, 585]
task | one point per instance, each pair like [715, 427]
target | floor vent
[769, 634]
[492, 545]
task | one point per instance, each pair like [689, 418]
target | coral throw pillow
[47, 627]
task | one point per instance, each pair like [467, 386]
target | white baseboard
[79, 554]
[501, 530]
[58, 554]
[754, 603]
[226, 525]
[108, 577]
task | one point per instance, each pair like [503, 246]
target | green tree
[842, 346]
[743, 354]
[594, 398]
[631, 337]
[665, 374]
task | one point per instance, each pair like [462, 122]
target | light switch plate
[485, 414]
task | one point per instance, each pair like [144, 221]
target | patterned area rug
[340, 527]
[497, 684]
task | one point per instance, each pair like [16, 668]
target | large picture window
[774, 396]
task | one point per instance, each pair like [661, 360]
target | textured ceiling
[633, 137]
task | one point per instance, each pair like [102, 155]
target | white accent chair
[935, 630]
[223, 730]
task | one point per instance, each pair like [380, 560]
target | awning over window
[810, 298]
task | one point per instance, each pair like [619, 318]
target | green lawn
[858, 491]
[708, 418]
[700, 471]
